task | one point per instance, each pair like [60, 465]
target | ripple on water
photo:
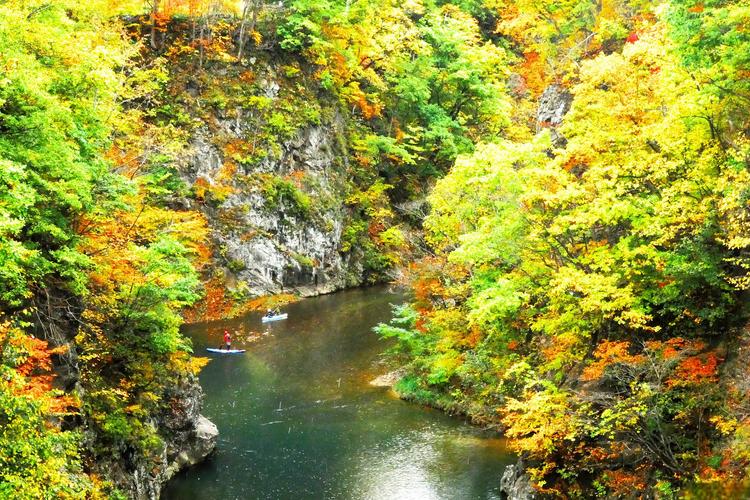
[298, 418]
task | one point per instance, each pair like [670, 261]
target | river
[298, 418]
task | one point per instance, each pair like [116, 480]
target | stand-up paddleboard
[278, 317]
[225, 351]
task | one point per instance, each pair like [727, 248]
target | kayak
[278, 317]
[225, 351]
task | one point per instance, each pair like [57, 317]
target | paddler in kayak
[227, 340]
[272, 312]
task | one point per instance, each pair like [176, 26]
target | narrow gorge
[557, 191]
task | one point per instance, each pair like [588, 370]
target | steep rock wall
[272, 245]
[266, 159]
[188, 438]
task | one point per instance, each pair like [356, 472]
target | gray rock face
[269, 246]
[202, 443]
[192, 436]
[189, 438]
[515, 484]
[553, 105]
[206, 434]
[517, 86]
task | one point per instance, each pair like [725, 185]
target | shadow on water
[299, 420]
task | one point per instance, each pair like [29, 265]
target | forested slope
[587, 291]
[94, 269]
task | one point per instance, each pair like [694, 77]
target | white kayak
[225, 351]
[278, 317]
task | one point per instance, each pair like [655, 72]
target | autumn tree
[593, 271]
[84, 243]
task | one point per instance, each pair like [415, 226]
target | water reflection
[298, 419]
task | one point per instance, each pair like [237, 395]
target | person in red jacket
[227, 340]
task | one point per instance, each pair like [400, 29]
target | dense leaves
[603, 264]
[424, 76]
[37, 460]
[84, 248]
[55, 100]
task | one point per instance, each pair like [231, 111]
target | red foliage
[695, 370]
[375, 228]
[473, 338]
[421, 324]
[247, 77]
[36, 368]
[427, 278]
[425, 290]
[214, 306]
[609, 353]
[533, 71]
[674, 347]
[624, 484]
[369, 110]
[39, 357]
[297, 177]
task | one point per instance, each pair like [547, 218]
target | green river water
[298, 418]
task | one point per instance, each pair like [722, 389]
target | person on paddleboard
[227, 340]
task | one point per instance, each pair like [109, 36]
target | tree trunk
[201, 42]
[154, 14]
[241, 42]
[255, 4]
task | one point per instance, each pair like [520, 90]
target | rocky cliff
[188, 438]
[265, 155]
[280, 227]
[515, 483]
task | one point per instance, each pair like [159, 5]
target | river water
[298, 418]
